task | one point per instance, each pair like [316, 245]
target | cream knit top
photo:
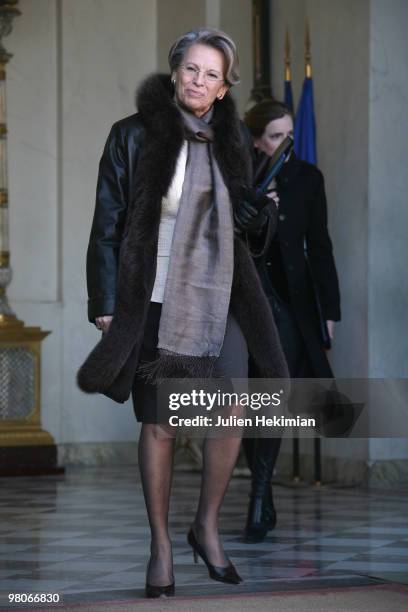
[169, 209]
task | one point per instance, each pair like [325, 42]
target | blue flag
[305, 125]
[288, 98]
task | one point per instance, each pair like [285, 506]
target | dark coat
[302, 221]
[136, 169]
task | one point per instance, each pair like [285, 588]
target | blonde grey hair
[213, 38]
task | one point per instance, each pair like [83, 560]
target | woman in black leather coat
[297, 270]
[178, 298]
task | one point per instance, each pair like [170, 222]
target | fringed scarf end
[173, 365]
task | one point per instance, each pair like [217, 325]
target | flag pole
[305, 122]
[317, 443]
[288, 75]
[288, 96]
[308, 54]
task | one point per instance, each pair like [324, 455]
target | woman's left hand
[330, 329]
[103, 323]
[250, 214]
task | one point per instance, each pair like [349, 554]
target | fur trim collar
[162, 120]
[157, 108]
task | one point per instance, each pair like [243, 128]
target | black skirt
[232, 363]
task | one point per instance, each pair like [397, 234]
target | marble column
[8, 11]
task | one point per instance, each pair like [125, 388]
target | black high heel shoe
[226, 574]
[154, 591]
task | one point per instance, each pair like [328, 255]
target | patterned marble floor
[84, 536]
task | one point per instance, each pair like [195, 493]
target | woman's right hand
[103, 323]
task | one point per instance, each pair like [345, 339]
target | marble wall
[105, 52]
[32, 121]
[174, 19]
[388, 187]
[75, 67]
[388, 210]
[236, 20]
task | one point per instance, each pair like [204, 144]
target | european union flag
[305, 125]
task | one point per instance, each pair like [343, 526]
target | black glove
[251, 214]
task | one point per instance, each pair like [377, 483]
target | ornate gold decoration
[8, 322]
[27, 430]
[8, 10]
[4, 259]
[3, 197]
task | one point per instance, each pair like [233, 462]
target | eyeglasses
[209, 75]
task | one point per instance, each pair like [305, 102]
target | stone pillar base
[38, 460]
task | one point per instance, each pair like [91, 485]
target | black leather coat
[115, 189]
[302, 223]
[136, 170]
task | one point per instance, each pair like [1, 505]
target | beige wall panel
[107, 48]
[175, 18]
[236, 20]
[340, 79]
[32, 149]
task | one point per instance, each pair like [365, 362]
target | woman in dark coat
[299, 277]
[170, 280]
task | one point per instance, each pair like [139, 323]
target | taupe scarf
[198, 286]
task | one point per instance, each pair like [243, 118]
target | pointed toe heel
[227, 574]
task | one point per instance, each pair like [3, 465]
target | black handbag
[338, 414]
[335, 413]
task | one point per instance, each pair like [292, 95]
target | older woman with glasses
[170, 281]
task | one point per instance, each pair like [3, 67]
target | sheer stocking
[219, 458]
[156, 449]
